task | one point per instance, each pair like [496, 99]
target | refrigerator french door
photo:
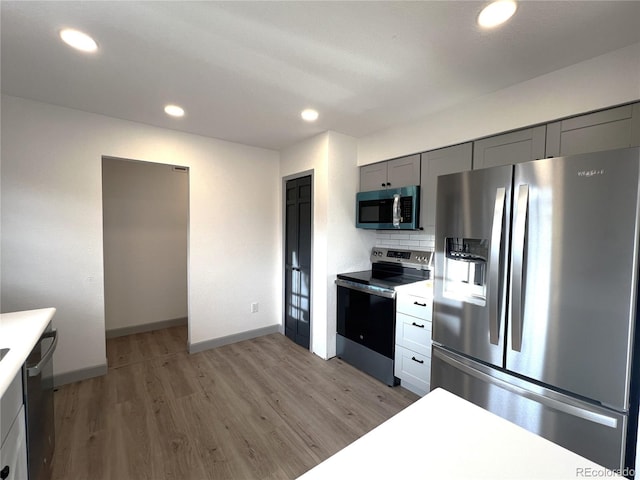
[535, 297]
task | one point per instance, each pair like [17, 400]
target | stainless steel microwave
[391, 209]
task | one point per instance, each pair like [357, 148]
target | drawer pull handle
[420, 304]
[416, 325]
[416, 360]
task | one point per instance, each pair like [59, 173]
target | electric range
[366, 308]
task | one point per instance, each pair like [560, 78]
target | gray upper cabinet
[404, 171]
[373, 177]
[604, 130]
[508, 148]
[399, 172]
[439, 162]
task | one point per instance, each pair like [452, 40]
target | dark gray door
[297, 296]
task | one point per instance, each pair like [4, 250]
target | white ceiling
[243, 71]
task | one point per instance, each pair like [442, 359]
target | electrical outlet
[254, 307]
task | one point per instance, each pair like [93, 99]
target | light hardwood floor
[259, 409]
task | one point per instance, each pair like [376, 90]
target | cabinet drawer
[413, 369]
[13, 452]
[10, 405]
[413, 333]
[415, 306]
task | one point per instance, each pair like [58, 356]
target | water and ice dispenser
[465, 269]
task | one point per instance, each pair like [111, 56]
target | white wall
[52, 224]
[145, 218]
[348, 248]
[601, 82]
[337, 245]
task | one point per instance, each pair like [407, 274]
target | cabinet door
[402, 172]
[604, 130]
[373, 177]
[508, 148]
[439, 162]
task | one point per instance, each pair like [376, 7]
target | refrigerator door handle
[495, 267]
[517, 265]
[582, 411]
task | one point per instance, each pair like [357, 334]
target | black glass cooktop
[386, 278]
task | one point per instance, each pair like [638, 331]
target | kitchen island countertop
[20, 331]
[442, 436]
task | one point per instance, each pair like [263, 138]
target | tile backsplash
[405, 240]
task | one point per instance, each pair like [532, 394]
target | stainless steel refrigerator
[535, 298]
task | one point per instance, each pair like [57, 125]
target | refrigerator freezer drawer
[594, 432]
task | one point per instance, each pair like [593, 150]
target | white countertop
[442, 436]
[20, 331]
[422, 288]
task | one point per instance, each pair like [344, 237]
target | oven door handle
[37, 369]
[380, 292]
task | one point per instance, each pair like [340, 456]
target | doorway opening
[145, 237]
[297, 259]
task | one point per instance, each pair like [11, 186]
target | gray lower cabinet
[396, 173]
[617, 127]
[509, 148]
[439, 162]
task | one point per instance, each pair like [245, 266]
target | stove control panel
[409, 258]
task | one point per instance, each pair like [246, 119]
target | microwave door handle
[495, 267]
[396, 210]
[517, 266]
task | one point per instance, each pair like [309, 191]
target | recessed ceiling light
[309, 115]
[78, 40]
[174, 110]
[496, 13]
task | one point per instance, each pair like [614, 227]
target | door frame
[172, 322]
[283, 252]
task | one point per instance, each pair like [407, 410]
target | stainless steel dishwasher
[38, 399]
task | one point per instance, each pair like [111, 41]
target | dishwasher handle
[37, 369]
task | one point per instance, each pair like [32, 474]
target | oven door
[366, 315]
